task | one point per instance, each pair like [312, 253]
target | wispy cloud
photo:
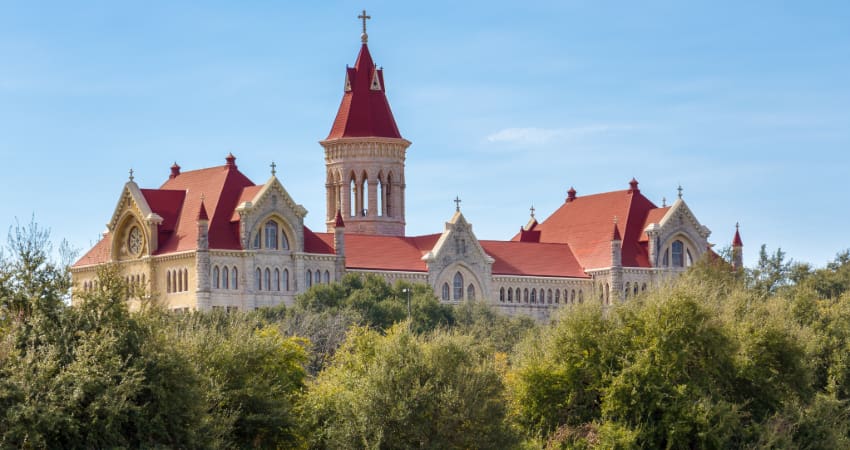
[538, 136]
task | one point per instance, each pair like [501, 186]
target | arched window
[470, 292]
[309, 279]
[268, 279]
[327, 277]
[179, 280]
[549, 296]
[284, 241]
[517, 295]
[185, 280]
[168, 282]
[380, 204]
[643, 287]
[534, 296]
[510, 295]
[666, 262]
[557, 296]
[607, 294]
[446, 291]
[636, 289]
[458, 286]
[389, 196]
[271, 234]
[678, 253]
[286, 279]
[225, 278]
[502, 295]
[259, 278]
[689, 260]
[628, 288]
[215, 278]
[235, 283]
[352, 201]
[257, 239]
[318, 277]
[277, 280]
[581, 296]
[525, 295]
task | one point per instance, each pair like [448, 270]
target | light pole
[407, 291]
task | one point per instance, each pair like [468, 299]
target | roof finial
[131, 174]
[663, 202]
[457, 203]
[737, 225]
[364, 37]
[273, 166]
[532, 211]
[680, 190]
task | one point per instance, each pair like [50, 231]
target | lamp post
[407, 291]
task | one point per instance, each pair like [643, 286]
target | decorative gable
[272, 201]
[133, 226]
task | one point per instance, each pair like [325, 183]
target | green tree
[404, 390]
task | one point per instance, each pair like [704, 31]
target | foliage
[404, 390]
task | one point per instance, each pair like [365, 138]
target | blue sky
[746, 104]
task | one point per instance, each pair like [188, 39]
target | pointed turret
[616, 246]
[364, 110]
[737, 249]
[365, 153]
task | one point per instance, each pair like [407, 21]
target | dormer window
[271, 237]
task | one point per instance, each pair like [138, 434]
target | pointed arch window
[534, 296]
[259, 279]
[286, 279]
[271, 230]
[502, 295]
[277, 280]
[284, 241]
[235, 283]
[677, 250]
[168, 282]
[445, 291]
[216, 278]
[268, 279]
[318, 276]
[225, 277]
[458, 286]
[470, 292]
[525, 295]
[309, 279]
[327, 277]
[257, 239]
[510, 295]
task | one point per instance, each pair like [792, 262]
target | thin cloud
[539, 136]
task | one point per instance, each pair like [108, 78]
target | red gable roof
[363, 251]
[221, 187]
[98, 254]
[585, 224]
[364, 111]
[533, 259]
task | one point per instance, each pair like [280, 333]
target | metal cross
[532, 211]
[364, 17]
[457, 203]
[680, 191]
[273, 166]
[131, 174]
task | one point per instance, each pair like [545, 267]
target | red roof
[98, 254]
[736, 241]
[532, 259]
[398, 253]
[364, 110]
[585, 224]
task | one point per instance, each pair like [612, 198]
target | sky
[746, 105]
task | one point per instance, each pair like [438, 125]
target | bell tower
[365, 153]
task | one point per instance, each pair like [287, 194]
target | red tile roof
[318, 243]
[653, 216]
[363, 251]
[532, 259]
[585, 224]
[98, 254]
[364, 111]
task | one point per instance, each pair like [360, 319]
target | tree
[771, 273]
[404, 390]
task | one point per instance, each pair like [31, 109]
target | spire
[364, 110]
[202, 214]
[736, 241]
[616, 235]
[338, 222]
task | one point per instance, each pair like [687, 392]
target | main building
[212, 238]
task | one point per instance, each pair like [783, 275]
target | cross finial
[680, 191]
[737, 225]
[532, 211]
[273, 166]
[131, 174]
[663, 202]
[457, 204]
[364, 37]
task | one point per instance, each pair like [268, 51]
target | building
[212, 238]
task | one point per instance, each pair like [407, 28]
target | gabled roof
[533, 259]
[221, 188]
[584, 222]
[364, 110]
[393, 253]
[98, 254]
